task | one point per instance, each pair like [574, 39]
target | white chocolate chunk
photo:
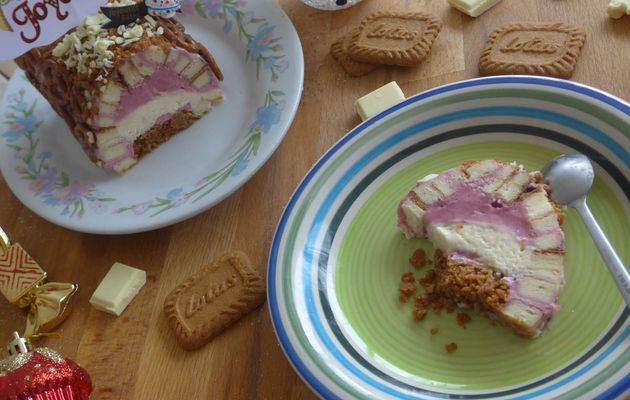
[618, 8]
[474, 8]
[121, 284]
[379, 100]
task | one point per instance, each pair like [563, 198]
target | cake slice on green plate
[499, 245]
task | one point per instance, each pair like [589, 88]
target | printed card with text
[25, 24]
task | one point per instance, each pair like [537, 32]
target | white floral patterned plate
[260, 54]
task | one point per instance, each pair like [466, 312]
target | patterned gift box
[18, 273]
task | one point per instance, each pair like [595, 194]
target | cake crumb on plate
[419, 313]
[407, 277]
[418, 259]
[463, 319]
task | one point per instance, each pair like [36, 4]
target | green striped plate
[337, 256]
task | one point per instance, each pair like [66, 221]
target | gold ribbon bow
[22, 283]
[48, 306]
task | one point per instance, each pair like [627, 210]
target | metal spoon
[571, 177]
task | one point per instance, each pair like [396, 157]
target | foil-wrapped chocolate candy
[22, 282]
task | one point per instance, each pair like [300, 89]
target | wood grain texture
[136, 355]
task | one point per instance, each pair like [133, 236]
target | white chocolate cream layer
[495, 247]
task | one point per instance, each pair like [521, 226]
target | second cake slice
[123, 91]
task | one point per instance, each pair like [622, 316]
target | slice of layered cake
[125, 90]
[497, 238]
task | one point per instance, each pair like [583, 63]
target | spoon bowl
[571, 178]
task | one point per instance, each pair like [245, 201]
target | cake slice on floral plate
[125, 90]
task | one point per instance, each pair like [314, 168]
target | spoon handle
[615, 266]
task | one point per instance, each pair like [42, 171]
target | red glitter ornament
[41, 374]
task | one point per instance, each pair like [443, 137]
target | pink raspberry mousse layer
[500, 197]
[163, 81]
[495, 215]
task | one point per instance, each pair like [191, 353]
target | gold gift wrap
[22, 282]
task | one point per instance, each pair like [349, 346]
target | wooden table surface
[136, 355]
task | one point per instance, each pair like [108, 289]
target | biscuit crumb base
[161, 133]
[450, 283]
[471, 285]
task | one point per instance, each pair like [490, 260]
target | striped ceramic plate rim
[602, 111]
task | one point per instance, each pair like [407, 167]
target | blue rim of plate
[311, 380]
